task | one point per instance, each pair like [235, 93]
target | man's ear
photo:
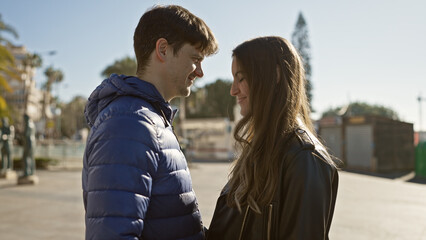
[161, 48]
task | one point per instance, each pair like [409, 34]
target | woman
[283, 185]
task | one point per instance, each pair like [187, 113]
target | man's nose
[199, 71]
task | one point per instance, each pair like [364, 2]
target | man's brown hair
[175, 24]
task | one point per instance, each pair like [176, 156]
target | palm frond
[7, 28]
[11, 72]
[6, 56]
[4, 84]
[3, 104]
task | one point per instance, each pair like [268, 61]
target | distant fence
[68, 153]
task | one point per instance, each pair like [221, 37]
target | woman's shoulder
[306, 153]
[299, 141]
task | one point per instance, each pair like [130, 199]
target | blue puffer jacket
[136, 183]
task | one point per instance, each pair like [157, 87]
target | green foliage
[7, 65]
[4, 110]
[213, 100]
[361, 109]
[7, 69]
[54, 76]
[72, 117]
[33, 60]
[4, 27]
[126, 66]
[41, 163]
[300, 40]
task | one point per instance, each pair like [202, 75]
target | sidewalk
[367, 207]
[50, 210]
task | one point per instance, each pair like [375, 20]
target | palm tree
[6, 62]
[6, 28]
[7, 65]
[32, 60]
[53, 76]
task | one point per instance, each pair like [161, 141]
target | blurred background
[365, 63]
[362, 58]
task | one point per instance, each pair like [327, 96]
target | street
[367, 207]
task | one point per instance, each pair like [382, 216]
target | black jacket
[302, 207]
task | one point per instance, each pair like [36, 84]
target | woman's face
[240, 88]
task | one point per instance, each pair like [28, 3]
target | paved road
[367, 207]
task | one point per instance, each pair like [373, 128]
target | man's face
[183, 68]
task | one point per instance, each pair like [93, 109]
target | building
[370, 143]
[25, 97]
[208, 138]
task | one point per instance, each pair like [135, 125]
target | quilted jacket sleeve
[309, 193]
[117, 177]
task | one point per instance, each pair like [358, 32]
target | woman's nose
[234, 89]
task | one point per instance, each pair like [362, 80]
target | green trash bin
[421, 159]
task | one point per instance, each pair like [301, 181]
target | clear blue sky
[372, 51]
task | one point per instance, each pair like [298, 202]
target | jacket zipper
[244, 223]
[269, 226]
[166, 123]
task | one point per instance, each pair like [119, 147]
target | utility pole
[420, 99]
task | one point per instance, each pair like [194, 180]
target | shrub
[41, 163]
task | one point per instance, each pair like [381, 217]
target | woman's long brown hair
[278, 105]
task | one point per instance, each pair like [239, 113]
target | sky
[369, 51]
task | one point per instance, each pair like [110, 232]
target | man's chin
[188, 93]
[185, 92]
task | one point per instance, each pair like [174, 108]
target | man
[136, 183]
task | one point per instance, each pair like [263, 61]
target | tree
[213, 100]
[361, 109]
[7, 65]
[32, 60]
[6, 28]
[126, 66]
[54, 76]
[72, 117]
[7, 62]
[300, 40]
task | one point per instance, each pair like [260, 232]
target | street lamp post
[420, 99]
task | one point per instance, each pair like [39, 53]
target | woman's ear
[161, 48]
